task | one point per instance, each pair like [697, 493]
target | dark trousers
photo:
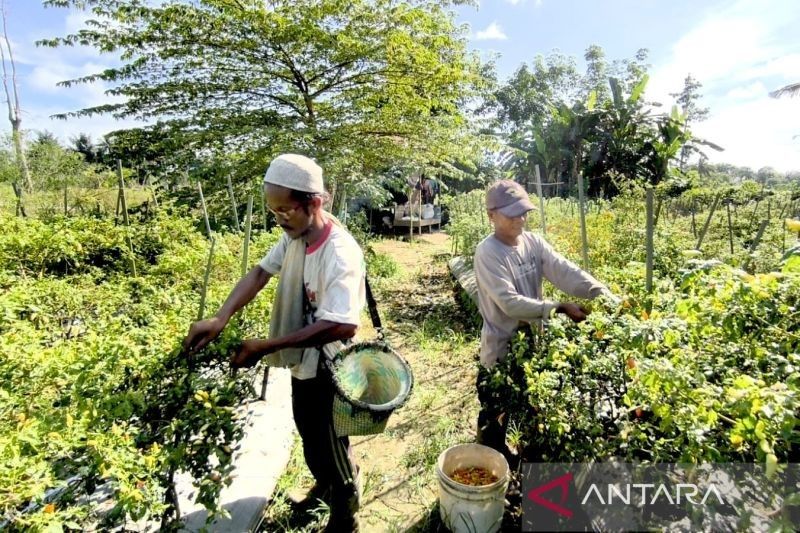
[328, 457]
[493, 415]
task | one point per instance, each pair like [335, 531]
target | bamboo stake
[248, 227]
[264, 211]
[649, 241]
[756, 242]
[658, 211]
[708, 222]
[541, 199]
[205, 211]
[125, 213]
[65, 199]
[730, 226]
[694, 225]
[584, 239]
[783, 236]
[155, 197]
[202, 310]
[233, 205]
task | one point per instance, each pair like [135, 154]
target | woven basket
[370, 381]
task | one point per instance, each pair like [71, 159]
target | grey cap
[296, 172]
[508, 198]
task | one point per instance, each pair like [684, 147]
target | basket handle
[373, 309]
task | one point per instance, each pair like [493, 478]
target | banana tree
[624, 127]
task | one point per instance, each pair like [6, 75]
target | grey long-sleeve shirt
[509, 280]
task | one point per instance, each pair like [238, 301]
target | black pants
[493, 415]
[328, 457]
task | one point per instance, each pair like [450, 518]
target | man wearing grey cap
[509, 266]
[318, 303]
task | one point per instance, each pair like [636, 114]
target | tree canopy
[357, 84]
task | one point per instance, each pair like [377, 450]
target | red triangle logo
[535, 495]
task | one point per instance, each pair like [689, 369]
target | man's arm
[244, 292]
[204, 331]
[566, 275]
[317, 334]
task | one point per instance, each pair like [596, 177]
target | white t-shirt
[333, 275]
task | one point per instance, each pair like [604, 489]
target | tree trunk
[20, 208]
[14, 114]
[22, 159]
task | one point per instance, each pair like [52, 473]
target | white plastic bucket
[470, 509]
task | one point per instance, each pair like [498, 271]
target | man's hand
[250, 352]
[201, 333]
[576, 313]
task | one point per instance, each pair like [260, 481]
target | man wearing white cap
[509, 267]
[318, 303]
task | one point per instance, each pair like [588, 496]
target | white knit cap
[295, 172]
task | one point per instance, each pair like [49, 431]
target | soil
[397, 465]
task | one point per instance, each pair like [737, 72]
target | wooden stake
[247, 228]
[730, 226]
[584, 239]
[649, 240]
[125, 213]
[708, 222]
[233, 205]
[756, 241]
[264, 211]
[541, 199]
[204, 291]
[205, 211]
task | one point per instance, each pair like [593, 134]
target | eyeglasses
[283, 212]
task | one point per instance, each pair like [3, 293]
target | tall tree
[596, 77]
[688, 100]
[357, 84]
[14, 111]
[528, 96]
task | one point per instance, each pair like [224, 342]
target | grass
[79, 199]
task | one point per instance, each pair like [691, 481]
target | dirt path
[426, 326]
[423, 323]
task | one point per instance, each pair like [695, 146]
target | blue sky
[739, 50]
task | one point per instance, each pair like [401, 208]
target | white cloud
[492, 32]
[748, 92]
[756, 133]
[38, 119]
[536, 3]
[737, 56]
[40, 69]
